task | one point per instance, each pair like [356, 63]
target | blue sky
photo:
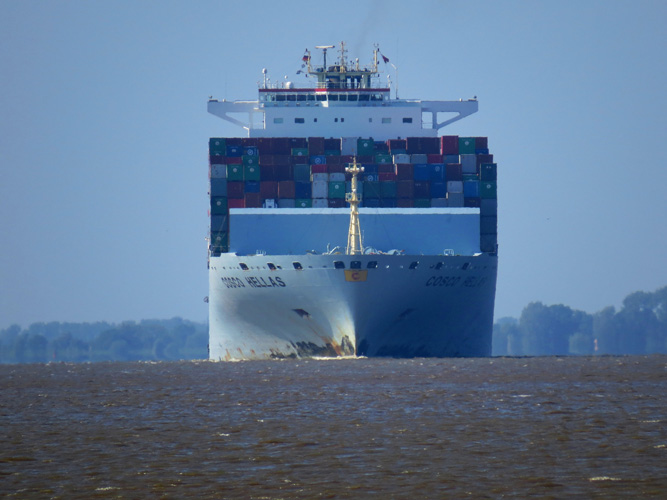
[104, 130]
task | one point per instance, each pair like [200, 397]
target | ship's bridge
[345, 100]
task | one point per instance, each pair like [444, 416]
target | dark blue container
[422, 172]
[250, 151]
[372, 202]
[218, 187]
[370, 177]
[318, 160]
[471, 189]
[302, 190]
[438, 189]
[388, 202]
[370, 168]
[234, 151]
[437, 172]
[252, 186]
[481, 151]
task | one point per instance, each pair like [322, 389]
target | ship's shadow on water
[345, 428]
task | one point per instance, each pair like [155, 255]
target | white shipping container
[320, 203]
[218, 171]
[402, 158]
[348, 146]
[319, 177]
[419, 158]
[337, 177]
[455, 186]
[455, 200]
[269, 203]
[320, 189]
[469, 164]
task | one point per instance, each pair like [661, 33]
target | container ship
[343, 224]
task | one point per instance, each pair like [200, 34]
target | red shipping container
[422, 189]
[267, 172]
[432, 158]
[235, 189]
[268, 189]
[397, 145]
[264, 146]
[298, 160]
[233, 160]
[453, 172]
[336, 169]
[319, 169]
[405, 203]
[247, 142]
[286, 189]
[385, 168]
[405, 189]
[334, 160]
[266, 159]
[484, 159]
[253, 200]
[429, 145]
[298, 142]
[283, 173]
[404, 171]
[365, 159]
[345, 159]
[481, 143]
[216, 159]
[280, 146]
[337, 203]
[315, 146]
[332, 144]
[282, 159]
[449, 145]
[387, 176]
[236, 203]
[413, 145]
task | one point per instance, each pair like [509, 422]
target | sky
[104, 135]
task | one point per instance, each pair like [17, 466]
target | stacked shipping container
[299, 172]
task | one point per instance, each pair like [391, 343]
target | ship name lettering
[447, 281]
[260, 282]
[233, 282]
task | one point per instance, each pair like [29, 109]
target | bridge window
[339, 264]
[277, 120]
[373, 264]
[386, 120]
[407, 120]
[300, 97]
[413, 265]
[321, 97]
[243, 266]
[271, 266]
[355, 264]
[297, 266]
[280, 97]
[353, 97]
[299, 120]
[364, 97]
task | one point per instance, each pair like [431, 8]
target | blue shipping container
[471, 189]
[438, 189]
[302, 190]
[437, 172]
[252, 186]
[422, 172]
[234, 151]
[318, 160]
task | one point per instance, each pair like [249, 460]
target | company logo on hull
[355, 275]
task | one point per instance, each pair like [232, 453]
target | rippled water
[355, 428]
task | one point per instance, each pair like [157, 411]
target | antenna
[324, 50]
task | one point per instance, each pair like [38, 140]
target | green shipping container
[251, 173]
[217, 146]
[219, 205]
[488, 190]
[466, 145]
[234, 172]
[388, 189]
[250, 160]
[303, 203]
[365, 147]
[371, 189]
[383, 158]
[337, 189]
[422, 203]
[300, 152]
[302, 173]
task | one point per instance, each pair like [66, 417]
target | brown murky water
[362, 428]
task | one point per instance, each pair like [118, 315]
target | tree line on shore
[638, 327]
